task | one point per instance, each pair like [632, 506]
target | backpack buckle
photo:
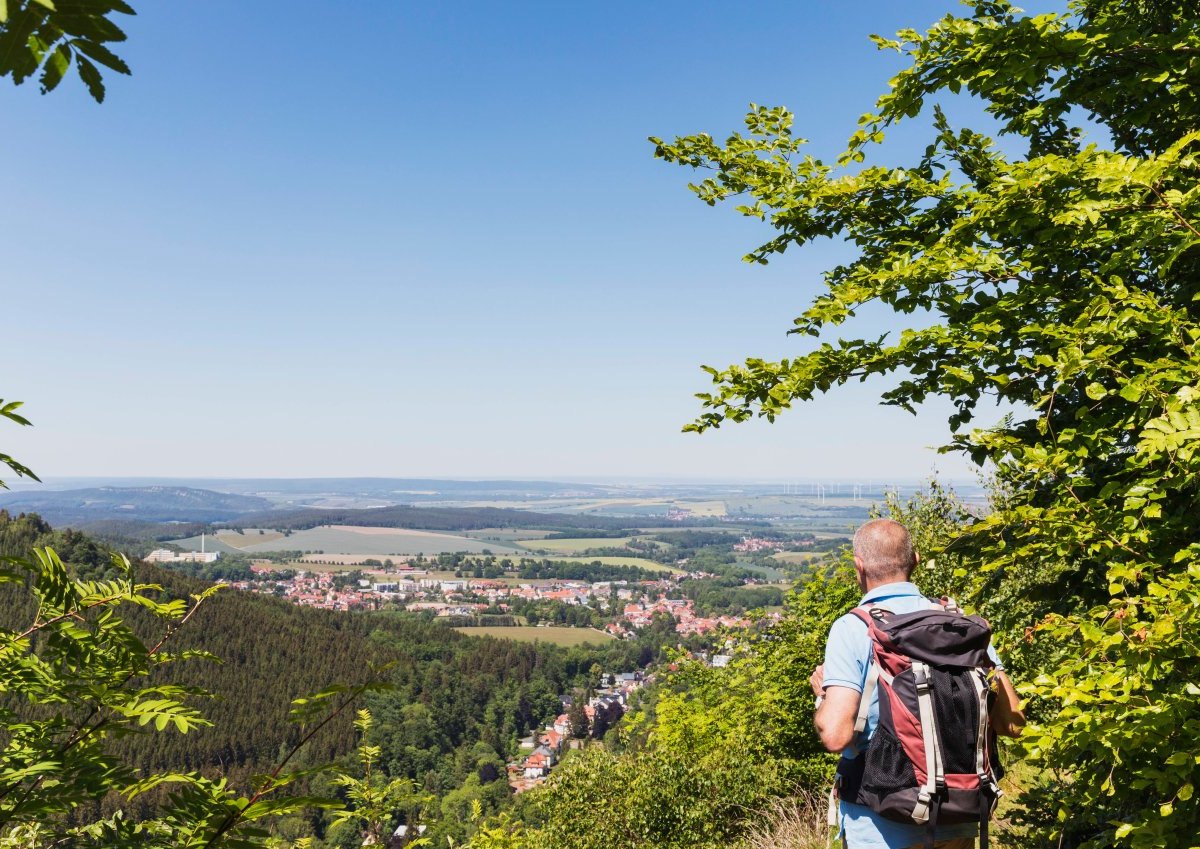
[920, 813]
[921, 678]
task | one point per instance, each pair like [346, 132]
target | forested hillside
[455, 706]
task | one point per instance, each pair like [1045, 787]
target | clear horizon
[70, 481]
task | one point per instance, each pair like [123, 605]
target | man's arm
[1007, 717]
[837, 708]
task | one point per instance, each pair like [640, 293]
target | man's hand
[1007, 717]
[817, 680]
[835, 717]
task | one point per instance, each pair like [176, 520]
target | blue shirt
[847, 660]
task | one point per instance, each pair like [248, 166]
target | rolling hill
[145, 503]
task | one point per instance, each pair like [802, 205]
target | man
[884, 559]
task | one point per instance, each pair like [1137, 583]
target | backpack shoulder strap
[874, 672]
[861, 614]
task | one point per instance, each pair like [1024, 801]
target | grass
[797, 822]
[558, 635]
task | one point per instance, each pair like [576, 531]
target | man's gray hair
[885, 549]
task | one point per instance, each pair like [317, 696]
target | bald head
[884, 551]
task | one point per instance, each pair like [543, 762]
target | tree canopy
[1054, 270]
[44, 38]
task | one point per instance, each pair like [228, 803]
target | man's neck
[894, 579]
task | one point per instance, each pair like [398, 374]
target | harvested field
[558, 635]
[362, 541]
[251, 536]
[798, 556]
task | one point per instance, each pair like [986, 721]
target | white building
[163, 555]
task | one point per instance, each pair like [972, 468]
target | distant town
[634, 604]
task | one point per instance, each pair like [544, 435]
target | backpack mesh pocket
[887, 767]
[956, 706]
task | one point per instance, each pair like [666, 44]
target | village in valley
[416, 591]
[693, 582]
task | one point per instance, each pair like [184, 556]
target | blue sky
[394, 239]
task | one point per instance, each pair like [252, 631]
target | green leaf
[97, 51]
[91, 78]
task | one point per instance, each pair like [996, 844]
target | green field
[768, 572]
[574, 546]
[558, 635]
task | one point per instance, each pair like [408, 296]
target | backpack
[932, 757]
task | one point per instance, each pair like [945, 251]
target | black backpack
[932, 757]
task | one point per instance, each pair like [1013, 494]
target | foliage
[666, 797]
[77, 678]
[8, 410]
[577, 720]
[51, 35]
[1061, 281]
[593, 572]
[502, 832]
[73, 664]
[454, 712]
[715, 745]
[374, 799]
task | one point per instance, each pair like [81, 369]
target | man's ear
[858, 571]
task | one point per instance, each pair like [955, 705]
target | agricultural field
[210, 543]
[798, 557]
[768, 572]
[703, 509]
[574, 546]
[655, 506]
[250, 536]
[559, 635]
[367, 541]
